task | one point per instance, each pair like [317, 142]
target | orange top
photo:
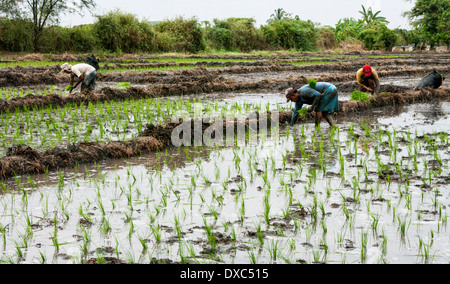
[360, 76]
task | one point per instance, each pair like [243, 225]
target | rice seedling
[253, 257]
[403, 225]
[364, 240]
[210, 235]
[267, 206]
[273, 249]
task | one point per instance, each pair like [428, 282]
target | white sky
[325, 12]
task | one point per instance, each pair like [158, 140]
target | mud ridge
[22, 160]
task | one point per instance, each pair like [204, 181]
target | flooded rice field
[96, 177]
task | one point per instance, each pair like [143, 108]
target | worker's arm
[376, 81]
[80, 79]
[359, 76]
[377, 86]
[298, 106]
[72, 76]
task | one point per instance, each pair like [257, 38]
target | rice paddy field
[98, 177]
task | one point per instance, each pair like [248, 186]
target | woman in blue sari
[321, 95]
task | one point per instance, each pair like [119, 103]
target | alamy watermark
[213, 128]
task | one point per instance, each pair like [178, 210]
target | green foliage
[370, 30]
[386, 38]
[371, 18]
[291, 33]
[15, 35]
[122, 32]
[432, 18]
[181, 35]
[348, 28]
[378, 37]
[59, 40]
[407, 37]
[42, 13]
[234, 34]
[326, 38]
[368, 37]
[278, 15]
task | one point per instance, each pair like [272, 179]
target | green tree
[432, 18]
[43, 12]
[386, 38]
[278, 15]
[348, 28]
[371, 18]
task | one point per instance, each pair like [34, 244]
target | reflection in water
[240, 191]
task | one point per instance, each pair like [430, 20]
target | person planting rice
[86, 74]
[322, 96]
[368, 80]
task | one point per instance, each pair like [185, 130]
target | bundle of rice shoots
[123, 85]
[69, 88]
[312, 83]
[302, 112]
[361, 96]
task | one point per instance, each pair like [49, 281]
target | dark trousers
[368, 82]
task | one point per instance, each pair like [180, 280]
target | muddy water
[275, 200]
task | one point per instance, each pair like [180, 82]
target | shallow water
[353, 216]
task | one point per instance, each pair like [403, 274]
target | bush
[410, 37]
[219, 37]
[386, 38]
[83, 39]
[369, 38]
[326, 38]
[120, 32]
[180, 35]
[16, 35]
[55, 40]
[291, 33]
[234, 34]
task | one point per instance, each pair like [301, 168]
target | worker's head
[367, 70]
[292, 95]
[66, 68]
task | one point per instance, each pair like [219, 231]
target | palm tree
[279, 14]
[372, 18]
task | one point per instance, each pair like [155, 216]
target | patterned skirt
[329, 103]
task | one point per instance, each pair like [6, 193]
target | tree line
[33, 26]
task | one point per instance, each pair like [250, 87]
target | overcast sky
[325, 12]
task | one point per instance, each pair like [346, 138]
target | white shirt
[82, 68]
